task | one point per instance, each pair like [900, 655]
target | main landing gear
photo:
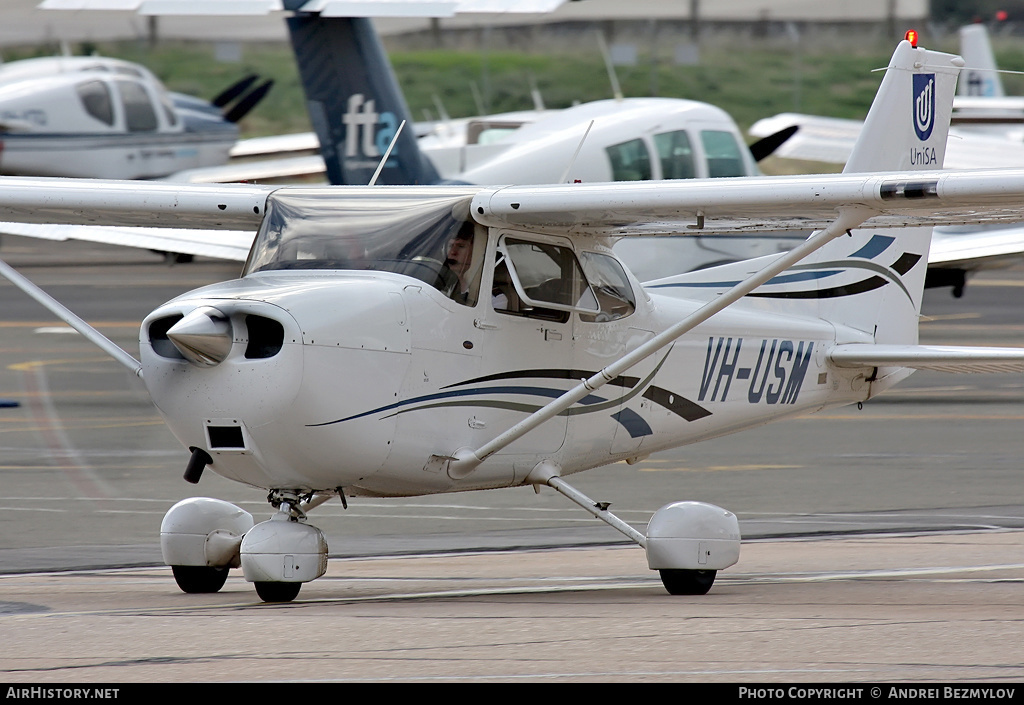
[202, 538]
[686, 542]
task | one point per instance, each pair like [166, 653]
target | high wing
[219, 244]
[232, 212]
[756, 204]
[738, 205]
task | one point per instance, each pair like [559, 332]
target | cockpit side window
[676, 155]
[95, 97]
[138, 109]
[630, 161]
[544, 280]
[723, 153]
[611, 286]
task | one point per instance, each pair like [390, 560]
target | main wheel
[199, 578]
[277, 592]
[687, 582]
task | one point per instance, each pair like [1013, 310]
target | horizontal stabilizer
[939, 358]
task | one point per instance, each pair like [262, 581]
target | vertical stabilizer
[908, 123]
[981, 76]
[354, 102]
[905, 130]
[870, 282]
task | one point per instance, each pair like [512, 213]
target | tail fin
[869, 283]
[354, 102]
[981, 77]
[905, 130]
[908, 123]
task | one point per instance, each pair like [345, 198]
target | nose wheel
[277, 592]
[687, 582]
[197, 579]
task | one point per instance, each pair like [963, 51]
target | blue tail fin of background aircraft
[355, 103]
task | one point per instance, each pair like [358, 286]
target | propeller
[765, 146]
[248, 102]
[234, 90]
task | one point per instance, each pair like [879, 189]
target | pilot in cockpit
[460, 260]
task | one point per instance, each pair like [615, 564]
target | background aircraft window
[169, 113]
[138, 110]
[610, 285]
[676, 155]
[489, 131]
[95, 97]
[724, 158]
[630, 161]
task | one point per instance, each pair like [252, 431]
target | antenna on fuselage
[384, 159]
[612, 76]
[565, 175]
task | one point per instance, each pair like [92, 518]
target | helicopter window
[723, 153]
[610, 285]
[547, 279]
[424, 236]
[676, 155]
[630, 161]
[95, 97]
[138, 109]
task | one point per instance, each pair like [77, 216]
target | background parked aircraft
[100, 117]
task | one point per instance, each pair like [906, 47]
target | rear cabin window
[676, 155]
[138, 109]
[723, 154]
[95, 97]
[630, 161]
[611, 286]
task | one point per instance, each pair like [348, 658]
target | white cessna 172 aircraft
[89, 116]
[397, 341]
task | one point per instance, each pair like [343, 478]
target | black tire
[277, 592]
[199, 578]
[688, 582]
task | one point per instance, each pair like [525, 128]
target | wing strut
[465, 460]
[65, 314]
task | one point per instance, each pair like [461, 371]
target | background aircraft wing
[817, 139]
[830, 140]
[974, 248]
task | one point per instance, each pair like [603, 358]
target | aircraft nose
[203, 336]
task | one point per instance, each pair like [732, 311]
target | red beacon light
[912, 37]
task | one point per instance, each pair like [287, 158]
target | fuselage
[370, 377]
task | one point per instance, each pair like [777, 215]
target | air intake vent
[266, 336]
[226, 437]
[158, 339]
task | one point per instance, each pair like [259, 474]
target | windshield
[377, 228]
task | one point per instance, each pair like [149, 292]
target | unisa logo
[924, 104]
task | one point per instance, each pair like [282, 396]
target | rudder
[354, 102]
